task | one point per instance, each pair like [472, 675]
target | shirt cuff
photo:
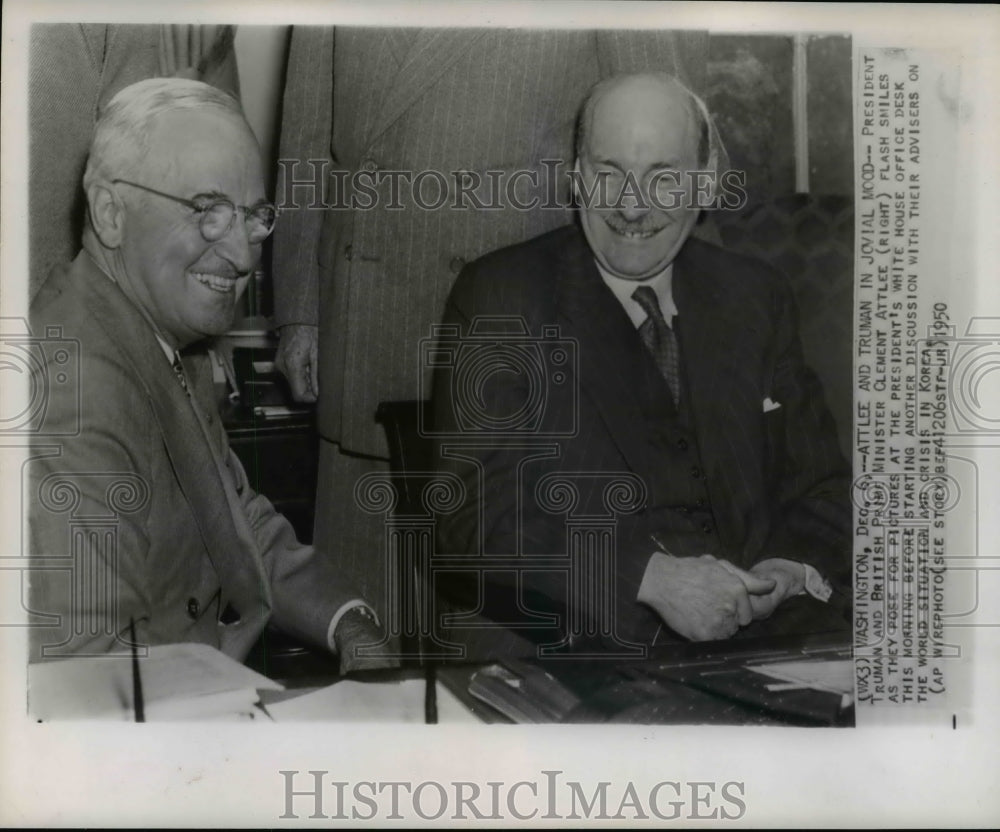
[816, 585]
[350, 605]
[644, 592]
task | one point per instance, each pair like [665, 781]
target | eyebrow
[220, 195]
[211, 195]
[672, 164]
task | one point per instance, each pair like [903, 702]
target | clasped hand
[705, 598]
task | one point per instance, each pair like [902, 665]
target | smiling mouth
[215, 282]
[631, 233]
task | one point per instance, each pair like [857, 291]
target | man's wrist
[357, 627]
[357, 614]
[352, 618]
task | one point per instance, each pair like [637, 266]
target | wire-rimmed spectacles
[217, 213]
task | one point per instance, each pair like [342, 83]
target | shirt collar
[168, 351]
[661, 284]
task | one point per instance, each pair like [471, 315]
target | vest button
[456, 264]
[707, 527]
[682, 444]
[695, 472]
[193, 608]
[370, 165]
[701, 502]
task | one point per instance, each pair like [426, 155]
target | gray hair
[709, 142]
[121, 137]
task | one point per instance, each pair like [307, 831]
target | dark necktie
[659, 339]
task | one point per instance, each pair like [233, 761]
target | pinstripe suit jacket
[777, 482]
[429, 99]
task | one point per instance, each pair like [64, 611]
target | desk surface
[706, 683]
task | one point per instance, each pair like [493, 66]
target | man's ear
[107, 214]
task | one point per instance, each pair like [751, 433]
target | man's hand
[298, 360]
[356, 629]
[701, 598]
[789, 578]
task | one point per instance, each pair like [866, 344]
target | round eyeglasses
[217, 213]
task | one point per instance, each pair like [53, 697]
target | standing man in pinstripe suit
[357, 288]
[688, 380]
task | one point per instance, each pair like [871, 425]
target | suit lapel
[370, 62]
[194, 458]
[95, 39]
[612, 361]
[429, 54]
[725, 399]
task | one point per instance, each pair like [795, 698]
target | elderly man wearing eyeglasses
[138, 509]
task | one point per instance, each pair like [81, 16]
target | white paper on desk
[835, 676]
[222, 705]
[179, 681]
[353, 701]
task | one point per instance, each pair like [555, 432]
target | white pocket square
[769, 405]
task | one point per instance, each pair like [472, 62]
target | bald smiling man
[687, 381]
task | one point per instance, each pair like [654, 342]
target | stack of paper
[834, 676]
[179, 682]
[353, 701]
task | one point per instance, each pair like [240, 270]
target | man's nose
[236, 249]
[633, 209]
[633, 206]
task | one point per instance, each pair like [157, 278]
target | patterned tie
[179, 370]
[659, 339]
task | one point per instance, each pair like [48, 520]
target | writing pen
[137, 704]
